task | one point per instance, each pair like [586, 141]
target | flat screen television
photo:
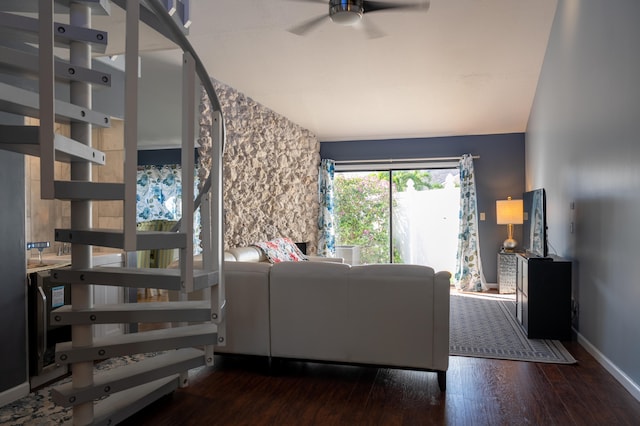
[534, 226]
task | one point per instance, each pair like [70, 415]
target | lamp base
[509, 244]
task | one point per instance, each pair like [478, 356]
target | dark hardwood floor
[242, 391]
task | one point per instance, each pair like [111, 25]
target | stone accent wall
[270, 174]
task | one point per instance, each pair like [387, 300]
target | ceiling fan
[351, 12]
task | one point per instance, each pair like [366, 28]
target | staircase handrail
[202, 73]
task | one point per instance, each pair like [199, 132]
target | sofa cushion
[281, 250]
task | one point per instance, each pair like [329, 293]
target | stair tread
[117, 379]
[114, 238]
[81, 190]
[147, 341]
[98, 7]
[25, 139]
[166, 279]
[14, 27]
[25, 102]
[137, 307]
[121, 405]
[22, 63]
[191, 311]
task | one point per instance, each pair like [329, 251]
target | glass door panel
[363, 215]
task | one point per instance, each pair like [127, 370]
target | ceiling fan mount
[352, 12]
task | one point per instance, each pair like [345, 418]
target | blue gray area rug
[37, 409]
[486, 327]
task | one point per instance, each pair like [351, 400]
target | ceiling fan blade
[376, 6]
[373, 31]
[309, 25]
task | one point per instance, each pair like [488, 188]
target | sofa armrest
[247, 316]
[248, 254]
[441, 315]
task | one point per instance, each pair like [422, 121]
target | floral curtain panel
[159, 193]
[468, 274]
[159, 197]
[326, 225]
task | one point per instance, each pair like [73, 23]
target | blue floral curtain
[159, 197]
[468, 275]
[326, 226]
[159, 193]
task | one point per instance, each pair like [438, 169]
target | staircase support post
[46, 82]
[81, 212]
[131, 123]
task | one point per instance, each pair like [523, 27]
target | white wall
[582, 146]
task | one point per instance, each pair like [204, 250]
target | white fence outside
[426, 226]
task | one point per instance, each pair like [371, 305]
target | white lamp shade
[509, 212]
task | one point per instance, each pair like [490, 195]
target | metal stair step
[98, 7]
[108, 382]
[113, 238]
[25, 140]
[187, 311]
[23, 62]
[166, 279]
[98, 191]
[120, 406]
[25, 102]
[25, 29]
[135, 343]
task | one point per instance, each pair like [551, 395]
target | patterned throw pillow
[281, 250]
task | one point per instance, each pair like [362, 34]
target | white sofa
[324, 310]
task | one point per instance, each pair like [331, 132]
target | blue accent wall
[500, 172]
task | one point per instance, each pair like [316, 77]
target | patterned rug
[486, 327]
[37, 409]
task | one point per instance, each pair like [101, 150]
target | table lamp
[509, 212]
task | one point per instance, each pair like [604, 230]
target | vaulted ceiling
[462, 67]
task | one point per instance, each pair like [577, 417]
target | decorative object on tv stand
[509, 212]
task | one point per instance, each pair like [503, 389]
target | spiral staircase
[38, 55]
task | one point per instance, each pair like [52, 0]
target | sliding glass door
[399, 216]
[363, 214]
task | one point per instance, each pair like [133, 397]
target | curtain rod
[402, 160]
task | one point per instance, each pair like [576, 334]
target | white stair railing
[134, 386]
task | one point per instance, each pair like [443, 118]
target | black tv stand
[543, 296]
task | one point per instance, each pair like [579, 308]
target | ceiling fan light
[346, 12]
[346, 17]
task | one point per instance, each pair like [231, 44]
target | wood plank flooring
[243, 391]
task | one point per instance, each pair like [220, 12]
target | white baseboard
[618, 374]
[10, 395]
